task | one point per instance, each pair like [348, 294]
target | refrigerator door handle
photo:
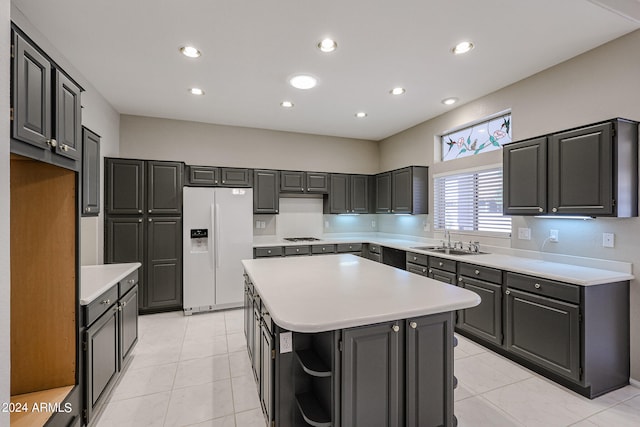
[217, 234]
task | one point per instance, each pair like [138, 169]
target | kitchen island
[342, 340]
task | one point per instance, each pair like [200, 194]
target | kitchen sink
[448, 251]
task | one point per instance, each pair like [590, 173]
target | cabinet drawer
[420, 259]
[417, 269]
[349, 247]
[267, 251]
[484, 273]
[442, 264]
[548, 288]
[101, 304]
[127, 283]
[296, 250]
[323, 249]
[374, 249]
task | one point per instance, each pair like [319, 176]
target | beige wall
[217, 145]
[597, 85]
[5, 279]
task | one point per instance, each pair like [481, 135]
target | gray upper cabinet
[164, 187]
[236, 177]
[68, 117]
[403, 191]
[205, 176]
[31, 83]
[265, 191]
[90, 173]
[304, 182]
[592, 171]
[348, 194]
[383, 192]
[525, 177]
[45, 107]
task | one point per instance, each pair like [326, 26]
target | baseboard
[634, 383]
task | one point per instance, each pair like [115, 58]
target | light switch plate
[286, 342]
[553, 235]
[608, 240]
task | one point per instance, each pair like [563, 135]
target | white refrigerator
[218, 234]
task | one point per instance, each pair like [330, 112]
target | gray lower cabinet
[297, 250]
[266, 198]
[485, 319]
[164, 263]
[111, 333]
[558, 348]
[90, 173]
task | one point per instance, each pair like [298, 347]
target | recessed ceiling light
[190, 51]
[449, 101]
[196, 91]
[462, 47]
[397, 91]
[361, 114]
[328, 45]
[286, 104]
[303, 81]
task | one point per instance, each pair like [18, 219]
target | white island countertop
[323, 293]
[96, 279]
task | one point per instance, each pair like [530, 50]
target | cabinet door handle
[150, 220]
[150, 211]
[537, 286]
[64, 147]
[555, 209]
[477, 272]
[87, 209]
[139, 210]
[131, 281]
[430, 271]
[297, 250]
[413, 325]
[415, 258]
[507, 292]
[424, 270]
[106, 301]
[52, 142]
[460, 279]
[440, 264]
[395, 328]
[140, 220]
[540, 209]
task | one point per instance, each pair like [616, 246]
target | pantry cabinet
[591, 171]
[144, 223]
[45, 107]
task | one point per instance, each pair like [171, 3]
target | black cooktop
[300, 239]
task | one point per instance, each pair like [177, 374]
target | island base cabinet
[372, 367]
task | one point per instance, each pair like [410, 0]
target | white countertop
[96, 279]
[531, 265]
[328, 292]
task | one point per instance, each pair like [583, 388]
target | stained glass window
[479, 138]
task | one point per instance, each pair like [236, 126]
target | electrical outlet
[257, 224]
[326, 224]
[608, 240]
[553, 236]
[286, 342]
[373, 224]
[524, 233]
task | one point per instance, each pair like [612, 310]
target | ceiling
[129, 51]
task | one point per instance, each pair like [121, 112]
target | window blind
[470, 201]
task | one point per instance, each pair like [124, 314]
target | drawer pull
[415, 258]
[537, 286]
[269, 251]
[430, 271]
[106, 301]
[477, 272]
[440, 263]
[131, 281]
[424, 270]
[507, 292]
[297, 250]
[460, 279]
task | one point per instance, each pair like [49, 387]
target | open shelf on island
[312, 364]
[311, 410]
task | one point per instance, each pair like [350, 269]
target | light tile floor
[194, 371]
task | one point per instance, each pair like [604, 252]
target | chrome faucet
[447, 237]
